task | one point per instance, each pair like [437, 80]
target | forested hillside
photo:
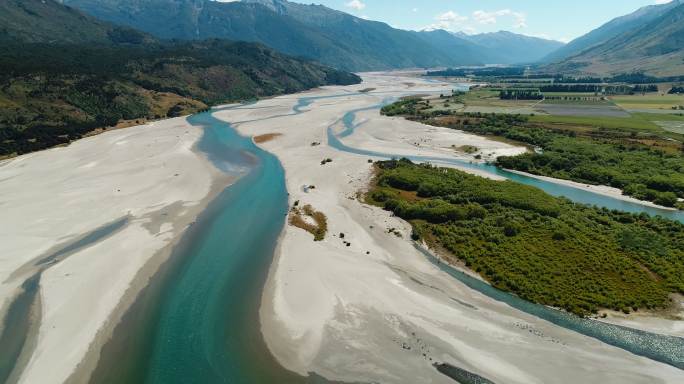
[55, 88]
[650, 40]
[43, 21]
[610, 30]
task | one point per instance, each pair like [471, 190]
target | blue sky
[557, 19]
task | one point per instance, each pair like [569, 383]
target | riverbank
[666, 322]
[369, 306]
[604, 190]
[151, 175]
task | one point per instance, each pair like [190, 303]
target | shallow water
[18, 321]
[198, 322]
[666, 349]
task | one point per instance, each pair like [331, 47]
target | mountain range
[650, 40]
[511, 48]
[316, 32]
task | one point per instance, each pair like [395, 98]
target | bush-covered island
[545, 249]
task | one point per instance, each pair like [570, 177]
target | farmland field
[579, 109]
[649, 101]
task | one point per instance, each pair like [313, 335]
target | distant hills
[316, 32]
[64, 75]
[650, 40]
[504, 47]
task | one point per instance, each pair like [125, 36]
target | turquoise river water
[197, 322]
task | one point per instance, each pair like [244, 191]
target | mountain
[654, 44]
[460, 51]
[34, 21]
[313, 31]
[64, 75]
[510, 48]
[610, 30]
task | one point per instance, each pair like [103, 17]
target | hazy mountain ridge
[511, 48]
[313, 31]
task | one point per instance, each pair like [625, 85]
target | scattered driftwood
[267, 137]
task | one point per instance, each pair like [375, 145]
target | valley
[379, 252]
[266, 191]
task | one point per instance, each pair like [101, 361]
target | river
[198, 320]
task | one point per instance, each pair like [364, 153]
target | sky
[554, 19]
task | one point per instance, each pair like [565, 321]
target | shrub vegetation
[545, 249]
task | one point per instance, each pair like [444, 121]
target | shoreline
[598, 189]
[156, 211]
[135, 352]
[123, 124]
[668, 321]
[143, 280]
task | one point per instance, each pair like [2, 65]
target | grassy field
[483, 101]
[579, 115]
[489, 97]
[649, 101]
[637, 123]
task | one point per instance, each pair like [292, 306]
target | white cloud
[448, 20]
[356, 4]
[663, 1]
[414, 10]
[484, 17]
[451, 17]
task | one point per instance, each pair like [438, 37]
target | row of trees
[479, 72]
[575, 88]
[520, 94]
[538, 93]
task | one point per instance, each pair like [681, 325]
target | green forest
[545, 249]
[618, 158]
